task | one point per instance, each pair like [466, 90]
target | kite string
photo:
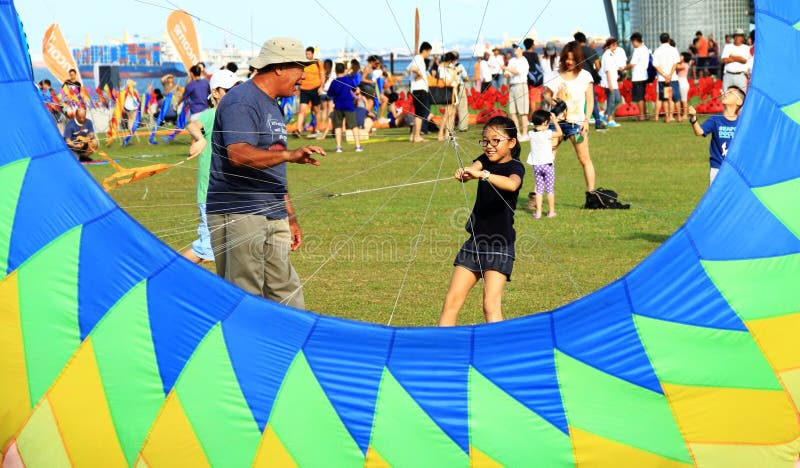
[359, 229]
[413, 254]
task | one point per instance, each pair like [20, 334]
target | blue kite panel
[432, 365]
[57, 189]
[26, 117]
[598, 330]
[14, 55]
[182, 312]
[263, 338]
[776, 52]
[111, 249]
[721, 226]
[672, 285]
[774, 138]
[779, 9]
[517, 356]
[350, 374]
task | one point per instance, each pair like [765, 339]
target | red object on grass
[487, 114]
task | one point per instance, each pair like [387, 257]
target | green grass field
[358, 248]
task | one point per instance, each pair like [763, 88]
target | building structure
[682, 20]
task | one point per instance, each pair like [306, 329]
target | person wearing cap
[735, 58]
[253, 226]
[496, 64]
[131, 104]
[549, 62]
[201, 129]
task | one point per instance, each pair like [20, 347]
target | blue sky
[360, 25]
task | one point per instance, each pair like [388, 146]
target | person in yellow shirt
[310, 89]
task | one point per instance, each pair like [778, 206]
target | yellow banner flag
[180, 28]
[57, 56]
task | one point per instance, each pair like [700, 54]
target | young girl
[489, 252]
[683, 83]
[200, 130]
[541, 157]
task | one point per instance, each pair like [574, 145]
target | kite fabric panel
[143, 359]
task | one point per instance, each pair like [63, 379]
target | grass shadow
[649, 237]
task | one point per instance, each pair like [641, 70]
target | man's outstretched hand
[305, 154]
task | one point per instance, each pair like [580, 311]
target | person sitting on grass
[341, 91]
[489, 252]
[79, 136]
[543, 142]
[722, 128]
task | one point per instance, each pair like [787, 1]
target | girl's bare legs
[551, 203]
[325, 115]
[447, 121]
[582, 150]
[538, 199]
[460, 283]
[494, 283]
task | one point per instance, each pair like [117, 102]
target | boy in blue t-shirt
[342, 90]
[722, 128]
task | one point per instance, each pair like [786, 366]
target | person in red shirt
[702, 54]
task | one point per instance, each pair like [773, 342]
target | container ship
[131, 60]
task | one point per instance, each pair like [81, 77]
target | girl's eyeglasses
[493, 142]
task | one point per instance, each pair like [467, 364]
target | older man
[79, 136]
[253, 227]
[735, 59]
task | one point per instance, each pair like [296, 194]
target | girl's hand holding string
[465, 174]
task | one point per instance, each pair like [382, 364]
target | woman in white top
[609, 79]
[575, 87]
[549, 62]
[447, 75]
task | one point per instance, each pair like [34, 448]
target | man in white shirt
[665, 60]
[734, 58]
[640, 59]
[496, 64]
[518, 97]
[486, 72]
[420, 91]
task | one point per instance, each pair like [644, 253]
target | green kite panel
[508, 432]
[697, 356]
[213, 403]
[307, 423]
[48, 300]
[793, 111]
[760, 288]
[126, 359]
[12, 176]
[781, 199]
[617, 410]
[401, 426]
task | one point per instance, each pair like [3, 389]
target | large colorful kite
[113, 357]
